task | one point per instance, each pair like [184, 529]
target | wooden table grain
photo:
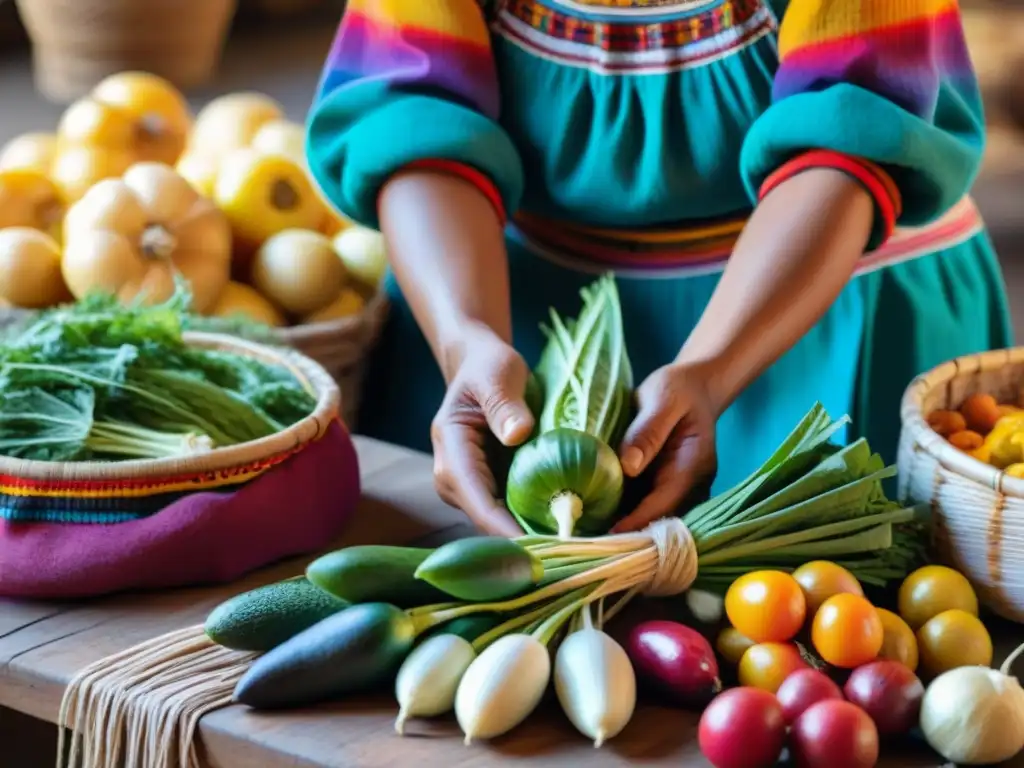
[42, 645]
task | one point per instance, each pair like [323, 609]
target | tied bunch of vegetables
[98, 380]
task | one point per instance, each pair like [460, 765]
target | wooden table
[43, 645]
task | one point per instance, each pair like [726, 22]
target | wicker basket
[979, 510]
[341, 347]
[76, 43]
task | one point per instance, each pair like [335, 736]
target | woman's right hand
[485, 394]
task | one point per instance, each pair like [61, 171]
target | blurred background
[53, 50]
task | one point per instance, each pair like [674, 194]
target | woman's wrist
[459, 338]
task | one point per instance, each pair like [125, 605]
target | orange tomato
[954, 639]
[847, 631]
[899, 643]
[767, 665]
[731, 644]
[766, 606]
[821, 579]
[930, 590]
[981, 412]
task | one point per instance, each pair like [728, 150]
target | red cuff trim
[468, 173]
[875, 180]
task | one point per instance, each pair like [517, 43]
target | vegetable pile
[99, 380]
[132, 189]
[989, 431]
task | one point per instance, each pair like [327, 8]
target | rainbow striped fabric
[438, 44]
[903, 50]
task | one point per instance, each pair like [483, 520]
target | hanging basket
[979, 510]
[76, 43]
[80, 529]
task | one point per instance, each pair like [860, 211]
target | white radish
[595, 683]
[502, 686]
[429, 677]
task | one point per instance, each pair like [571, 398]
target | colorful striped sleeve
[883, 89]
[409, 83]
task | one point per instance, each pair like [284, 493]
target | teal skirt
[885, 328]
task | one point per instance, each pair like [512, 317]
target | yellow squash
[77, 168]
[131, 236]
[29, 151]
[30, 269]
[134, 112]
[239, 299]
[30, 199]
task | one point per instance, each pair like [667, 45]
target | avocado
[263, 618]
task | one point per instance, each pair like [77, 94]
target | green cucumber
[265, 617]
[467, 627]
[375, 574]
[481, 569]
[356, 650]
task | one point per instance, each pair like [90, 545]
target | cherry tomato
[899, 643]
[731, 644]
[953, 639]
[804, 688]
[847, 631]
[766, 606]
[929, 591]
[821, 579]
[834, 734]
[742, 728]
[767, 665]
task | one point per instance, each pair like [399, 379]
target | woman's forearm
[795, 255]
[447, 251]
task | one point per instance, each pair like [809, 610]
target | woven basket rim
[309, 373]
[308, 332]
[952, 459]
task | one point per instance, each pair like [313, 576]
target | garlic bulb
[595, 683]
[974, 716]
[429, 677]
[502, 686]
[706, 607]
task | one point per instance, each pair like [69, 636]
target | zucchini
[375, 574]
[481, 569]
[356, 650]
[568, 477]
[263, 618]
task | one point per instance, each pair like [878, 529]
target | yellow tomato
[899, 643]
[953, 639]
[265, 194]
[767, 665]
[348, 304]
[821, 579]
[30, 199]
[930, 590]
[766, 606]
[29, 152]
[77, 168]
[847, 631]
[731, 644]
[160, 116]
[240, 300]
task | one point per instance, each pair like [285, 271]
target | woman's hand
[484, 395]
[674, 429]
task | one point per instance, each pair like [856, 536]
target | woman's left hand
[675, 429]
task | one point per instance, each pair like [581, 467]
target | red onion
[675, 661]
[834, 734]
[742, 728]
[890, 693]
[802, 689]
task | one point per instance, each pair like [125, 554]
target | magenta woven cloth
[299, 506]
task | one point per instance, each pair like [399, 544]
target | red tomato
[742, 728]
[802, 689]
[847, 631]
[834, 734]
[766, 606]
[889, 692]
